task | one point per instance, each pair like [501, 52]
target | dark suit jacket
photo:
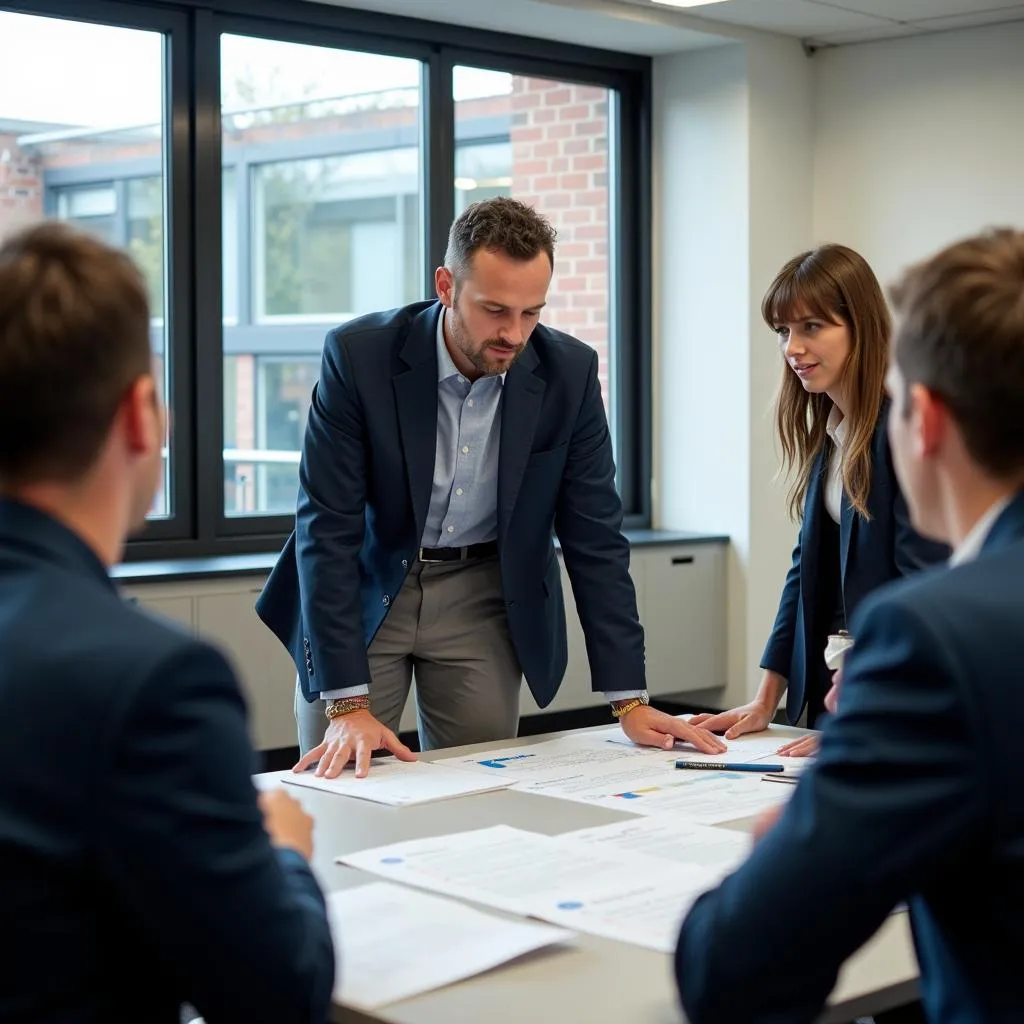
[871, 552]
[135, 873]
[916, 796]
[365, 480]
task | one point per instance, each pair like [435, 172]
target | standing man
[916, 794]
[446, 441]
[138, 868]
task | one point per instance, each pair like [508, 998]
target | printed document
[620, 895]
[566, 755]
[705, 798]
[642, 911]
[401, 783]
[667, 837]
[392, 943]
[501, 866]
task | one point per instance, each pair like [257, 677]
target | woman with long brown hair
[828, 312]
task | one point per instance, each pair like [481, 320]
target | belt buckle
[429, 561]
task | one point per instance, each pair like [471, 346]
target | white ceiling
[648, 27]
[852, 21]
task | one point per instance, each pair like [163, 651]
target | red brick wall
[21, 186]
[560, 166]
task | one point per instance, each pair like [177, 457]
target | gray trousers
[448, 627]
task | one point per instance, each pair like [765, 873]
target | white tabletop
[596, 979]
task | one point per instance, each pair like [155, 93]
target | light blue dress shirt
[464, 496]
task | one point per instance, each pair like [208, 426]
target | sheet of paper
[391, 942]
[643, 911]
[620, 894]
[401, 783]
[705, 798]
[499, 867]
[667, 837]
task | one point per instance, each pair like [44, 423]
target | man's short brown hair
[960, 333]
[500, 224]
[74, 335]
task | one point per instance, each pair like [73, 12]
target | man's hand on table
[648, 727]
[353, 737]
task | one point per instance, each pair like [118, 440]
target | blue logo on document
[500, 762]
[570, 905]
[391, 860]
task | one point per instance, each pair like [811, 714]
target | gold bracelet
[345, 706]
[624, 709]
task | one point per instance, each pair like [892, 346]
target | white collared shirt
[970, 547]
[836, 430]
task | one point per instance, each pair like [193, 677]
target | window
[327, 143]
[145, 235]
[555, 158]
[483, 170]
[59, 146]
[330, 148]
[230, 244]
[330, 232]
[92, 208]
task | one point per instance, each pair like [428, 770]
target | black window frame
[199, 527]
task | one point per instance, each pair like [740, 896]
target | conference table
[594, 979]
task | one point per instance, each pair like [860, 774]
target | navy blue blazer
[365, 480]
[135, 873]
[916, 795]
[871, 552]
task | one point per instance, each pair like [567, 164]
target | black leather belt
[429, 555]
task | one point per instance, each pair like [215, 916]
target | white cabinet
[685, 617]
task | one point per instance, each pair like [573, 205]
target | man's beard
[484, 360]
[481, 357]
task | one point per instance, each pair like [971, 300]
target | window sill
[177, 569]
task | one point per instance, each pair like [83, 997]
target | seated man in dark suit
[447, 441]
[916, 794]
[136, 869]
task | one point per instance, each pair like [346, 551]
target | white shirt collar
[446, 367]
[836, 427]
[970, 547]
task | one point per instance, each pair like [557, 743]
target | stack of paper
[401, 783]
[391, 943]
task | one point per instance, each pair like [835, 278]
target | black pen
[735, 766]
